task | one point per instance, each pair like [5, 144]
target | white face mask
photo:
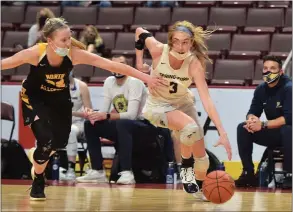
[180, 56]
[62, 52]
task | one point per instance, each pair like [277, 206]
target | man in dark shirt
[274, 97]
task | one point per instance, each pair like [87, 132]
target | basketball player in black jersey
[46, 101]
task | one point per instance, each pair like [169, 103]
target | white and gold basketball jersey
[178, 80]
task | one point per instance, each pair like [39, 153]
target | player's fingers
[228, 150]
[217, 144]
[151, 91]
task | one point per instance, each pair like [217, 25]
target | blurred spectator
[73, 3]
[35, 32]
[103, 3]
[80, 98]
[92, 39]
[19, 3]
[124, 98]
[87, 3]
[161, 4]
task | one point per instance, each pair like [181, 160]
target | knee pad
[190, 134]
[201, 166]
[42, 153]
[43, 133]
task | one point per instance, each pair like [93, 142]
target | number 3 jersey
[178, 81]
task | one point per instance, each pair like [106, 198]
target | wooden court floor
[104, 197]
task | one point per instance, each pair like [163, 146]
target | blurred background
[247, 30]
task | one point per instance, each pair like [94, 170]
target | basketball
[218, 187]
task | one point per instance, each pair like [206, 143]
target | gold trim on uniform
[42, 50]
[25, 98]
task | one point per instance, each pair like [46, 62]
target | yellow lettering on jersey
[60, 77]
[55, 76]
[60, 84]
[45, 88]
[50, 82]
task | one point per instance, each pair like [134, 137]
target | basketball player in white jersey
[80, 98]
[180, 62]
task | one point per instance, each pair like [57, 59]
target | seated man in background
[124, 98]
[80, 98]
[274, 97]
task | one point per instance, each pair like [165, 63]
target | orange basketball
[218, 187]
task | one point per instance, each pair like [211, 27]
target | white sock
[278, 169]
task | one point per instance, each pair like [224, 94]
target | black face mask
[42, 21]
[118, 76]
[91, 39]
[270, 77]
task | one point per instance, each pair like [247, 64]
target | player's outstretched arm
[83, 57]
[29, 55]
[197, 72]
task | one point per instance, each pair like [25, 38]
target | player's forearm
[139, 53]
[139, 59]
[8, 63]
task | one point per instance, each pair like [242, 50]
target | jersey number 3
[174, 86]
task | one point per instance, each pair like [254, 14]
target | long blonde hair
[199, 46]
[45, 12]
[53, 24]
[98, 38]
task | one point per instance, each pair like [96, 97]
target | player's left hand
[223, 140]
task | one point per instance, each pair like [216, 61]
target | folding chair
[82, 153]
[7, 113]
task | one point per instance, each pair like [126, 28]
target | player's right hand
[223, 140]
[155, 82]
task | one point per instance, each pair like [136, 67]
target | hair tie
[184, 29]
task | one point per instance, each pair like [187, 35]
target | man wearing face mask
[35, 32]
[124, 98]
[274, 97]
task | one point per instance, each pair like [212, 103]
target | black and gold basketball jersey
[46, 83]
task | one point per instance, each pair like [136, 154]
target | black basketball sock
[187, 162]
